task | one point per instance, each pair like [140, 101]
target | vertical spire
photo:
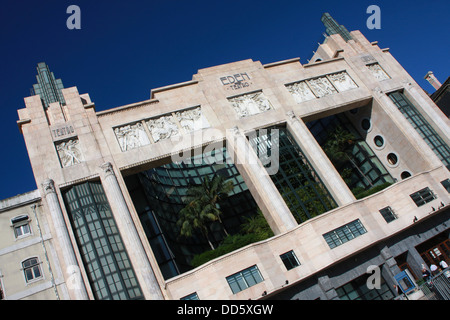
[332, 27]
[47, 87]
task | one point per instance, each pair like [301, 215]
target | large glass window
[244, 279]
[345, 233]
[105, 258]
[296, 180]
[422, 196]
[158, 195]
[420, 124]
[358, 290]
[352, 157]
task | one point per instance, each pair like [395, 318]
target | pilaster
[139, 259]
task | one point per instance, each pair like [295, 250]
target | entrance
[435, 249]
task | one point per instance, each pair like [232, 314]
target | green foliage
[361, 193]
[253, 230]
[202, 206]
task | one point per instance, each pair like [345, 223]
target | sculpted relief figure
[300, 91]
[131, 136]
[321, 86]
[69, 152]
[192, 120]
[342, 81]
[378, 72]
[162, 128]
[250, 104]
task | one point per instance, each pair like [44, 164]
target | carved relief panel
[321, 86]
[163, 128]
[192, 120]
[131, 136]
[377, 72]
[342, 81]
[69, 152]
[250, 104]
[300, 91]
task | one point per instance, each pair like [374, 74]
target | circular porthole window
[379, 141]
[392, 159]
[354, 111]
[405, 174]
[366, 124]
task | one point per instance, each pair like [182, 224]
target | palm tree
[191, 218]
[202, 206]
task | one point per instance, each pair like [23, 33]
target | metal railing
[437, 287]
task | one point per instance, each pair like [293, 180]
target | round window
[405, 174]
[392, 159]
[365, 124]
[379, 141]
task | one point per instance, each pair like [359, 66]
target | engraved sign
[236, 81]
[61, 132]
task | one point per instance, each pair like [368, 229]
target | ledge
[126, 107]
[278, 63]
[172, 86]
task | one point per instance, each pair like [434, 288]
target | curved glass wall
[158, 196]
[104, 256]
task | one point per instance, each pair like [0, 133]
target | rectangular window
[192, 296]
[446, 184]
[290, 260]
[422, 196]
[244, 279]
[345, 233]
[388, 214]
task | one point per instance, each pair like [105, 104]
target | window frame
[243, 277]
[420, 198]
[19, 223]
[290, 259]
[36, 265]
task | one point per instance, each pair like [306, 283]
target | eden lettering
[236, 78]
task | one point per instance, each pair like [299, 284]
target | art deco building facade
[345, 157]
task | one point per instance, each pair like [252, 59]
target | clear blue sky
[126, 48]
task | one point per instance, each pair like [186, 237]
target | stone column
[74, 281]
[260, 184]
[319, 160]
[129, 233]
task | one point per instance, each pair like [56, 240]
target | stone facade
[223, 103]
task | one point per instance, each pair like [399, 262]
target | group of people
[434, 269]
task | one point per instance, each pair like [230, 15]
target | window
[379, 141]
[192, 296]
[366, 124]
[392, 159]
[290, 260]
[345, 233]
[106, 260]
[405, 174]
[446, 184]
[244, 279]
[388, 214]
[421, 125]
[21, 226]
[31, 269]
[422, 196]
